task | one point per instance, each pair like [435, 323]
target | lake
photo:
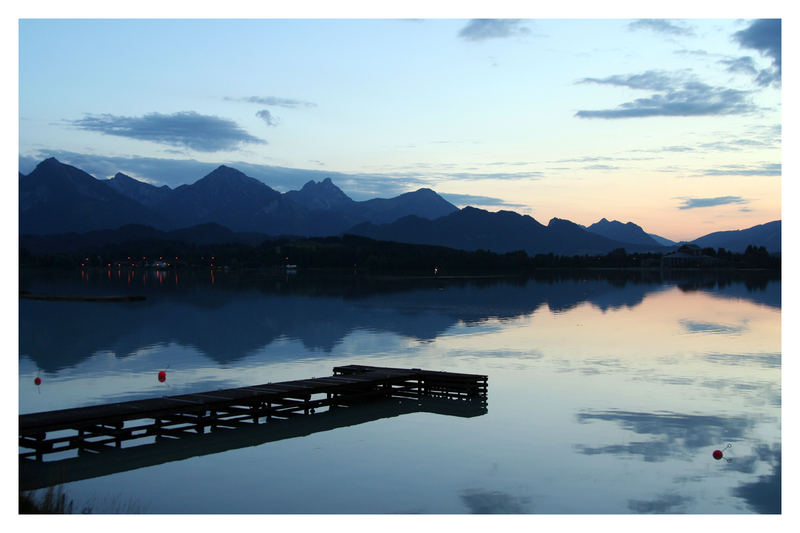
[607, 393]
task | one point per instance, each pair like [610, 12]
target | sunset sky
[674, 124]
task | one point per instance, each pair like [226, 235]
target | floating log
[55, 298]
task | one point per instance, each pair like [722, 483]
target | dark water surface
[606, 394]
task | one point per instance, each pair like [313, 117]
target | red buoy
[162, 377]
[717, 454]
[37, 381]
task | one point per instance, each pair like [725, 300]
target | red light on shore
[37, 381]
[162, 376]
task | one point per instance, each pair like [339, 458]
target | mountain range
[56, 198]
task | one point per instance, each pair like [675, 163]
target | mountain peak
[49, 163]
[560, 221]
[123, 177]
[225, 178]
[626, 233]
[225, 171]
[326, 184]
[324, 195]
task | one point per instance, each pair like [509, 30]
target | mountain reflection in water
[236, 317]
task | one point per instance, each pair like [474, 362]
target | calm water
[605, 395]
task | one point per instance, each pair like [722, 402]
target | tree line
[362, 253]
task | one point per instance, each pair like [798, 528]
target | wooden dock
[95, 429]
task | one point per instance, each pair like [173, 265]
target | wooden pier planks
[103, 425]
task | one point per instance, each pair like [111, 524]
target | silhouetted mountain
[225, 196]
[424, 203]
[228, 197]
[628, 232]
[324, 198]
[504, 231]
[59, 197]
[467, 229]
[323, 195]
[662, 240]
[767, 235]
[135, 233]
[144, 193]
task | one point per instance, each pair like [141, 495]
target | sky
[672, 123]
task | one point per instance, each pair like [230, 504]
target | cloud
[767, 360]
[267, 117]
[677, 434]
[667, 503]
[764, 35]
[204, 133]
[764, 494]
[664, 26]
[694, 326]
[766, 169]
[601, 167]
[696, 52]
[495, 175]
[652, 79]
[743, 64]
[734, 145]
[494, 502]
[729, 144]
[692, 203]
[482, 29]
[677, 149]
[471, 199]
[272, 101]
[675, 96]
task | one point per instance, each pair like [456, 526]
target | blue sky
[674, 124]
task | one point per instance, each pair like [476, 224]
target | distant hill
[628, 232]
[132, 233]
[424, 203]
[767, 235]
[144, 193]
[61, 198]
[504, 231]
[661, 240]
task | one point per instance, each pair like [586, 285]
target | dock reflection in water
[181, 427]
